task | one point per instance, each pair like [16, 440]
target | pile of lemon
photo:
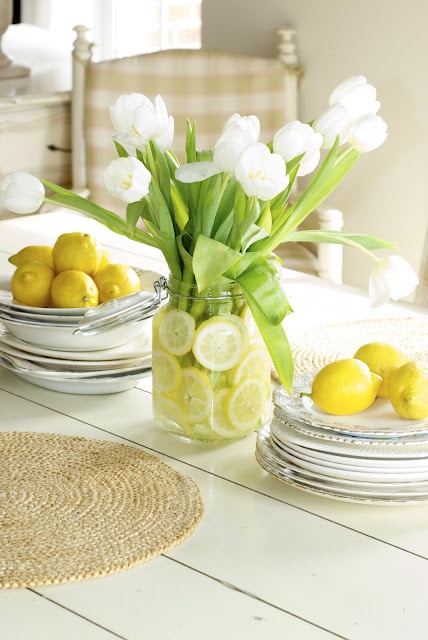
[73, 273]
[377, 370]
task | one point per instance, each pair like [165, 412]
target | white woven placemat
[314, 349]
[75, 508]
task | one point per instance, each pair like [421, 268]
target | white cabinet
[35, 136]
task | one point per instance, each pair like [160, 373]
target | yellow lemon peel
[31, 284]
[345, 387]
[382, 358]
[73, 289]
[408, 390]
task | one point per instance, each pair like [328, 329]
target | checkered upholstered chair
[202, 85]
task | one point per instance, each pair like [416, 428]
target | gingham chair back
[204, 86]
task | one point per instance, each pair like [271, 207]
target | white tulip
[122, 118]
[357, 96]
[251, 123]
[127, 179]
[335, 121]
[239, 133]
[393, 278]
[296, 138]
[367, 133]
[261, 173]
[137, 120]
[152, 122]
[122, 111]
[21, 192]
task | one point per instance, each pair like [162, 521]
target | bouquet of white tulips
[223, 212]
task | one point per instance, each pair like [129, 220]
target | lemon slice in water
[176, 332]
[220, 422]
[219, 343]
[246, 405]
[197, 394]
[255, 363]
[166, 371]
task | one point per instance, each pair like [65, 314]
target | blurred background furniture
[205, 86]
[35, 120]
[8, 69]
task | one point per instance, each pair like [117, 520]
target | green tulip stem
[111, 221]
[151, 162]
[367, 252]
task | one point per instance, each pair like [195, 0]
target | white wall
[386, 40]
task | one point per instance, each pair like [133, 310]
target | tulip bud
[137, 120]
[393, 278]
[335, 121]
[297, 138]
[21, 192]
[238, 134]
[367, 133]
[357, 96]
[261, 173]
[127, 179]
[151, 122]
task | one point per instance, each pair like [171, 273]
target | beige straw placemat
[314, 349]
[75, 508]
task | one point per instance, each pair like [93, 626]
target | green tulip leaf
[261, 280]
[273, 333]
[211, 259]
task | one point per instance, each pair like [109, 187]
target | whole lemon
[408, 390]
[116, 280]
[31, 284]
[77, 251]
[32, 253]
[344, 387]
[382, 358]
[74, 289]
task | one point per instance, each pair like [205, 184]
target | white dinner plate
[379, 419]
[344, 471]
[348, 491]
[404, 448]
[74, 365]
[21, 365]
[135, 347]
[327, 436]
[355, 487]
[93, 386]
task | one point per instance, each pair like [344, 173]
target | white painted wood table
[267, 560]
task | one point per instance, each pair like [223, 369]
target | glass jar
[211, 368]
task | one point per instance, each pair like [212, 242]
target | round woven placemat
[314, 349]
[74, 508]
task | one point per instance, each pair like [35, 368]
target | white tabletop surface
[267, 561]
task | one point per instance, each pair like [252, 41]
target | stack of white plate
[41, 346]
[373, 457]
